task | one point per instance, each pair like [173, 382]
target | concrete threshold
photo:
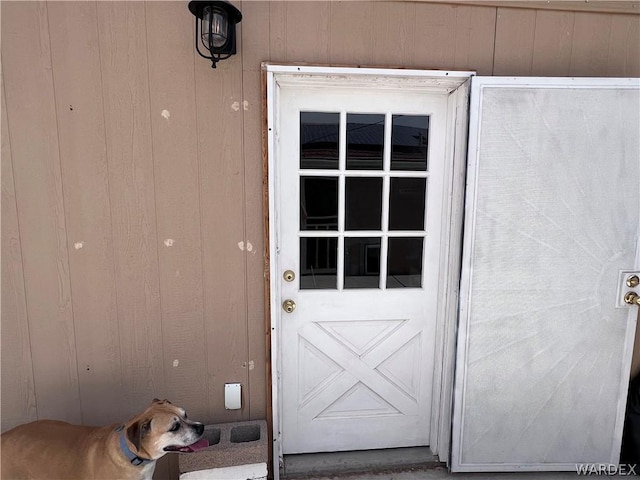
[315, 465]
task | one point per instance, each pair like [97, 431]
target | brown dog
[49, 449]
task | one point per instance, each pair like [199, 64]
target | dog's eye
[176, 427]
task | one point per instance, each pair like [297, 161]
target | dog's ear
[137, 431]
[162, 402]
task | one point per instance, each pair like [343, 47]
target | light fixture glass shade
[215, 28]
[215, 24]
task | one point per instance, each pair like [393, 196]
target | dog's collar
[133, 458]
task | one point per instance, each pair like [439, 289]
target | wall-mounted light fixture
[215, 28]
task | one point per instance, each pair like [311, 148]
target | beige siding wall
[132, 185]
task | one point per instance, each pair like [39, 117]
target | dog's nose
[199, 428]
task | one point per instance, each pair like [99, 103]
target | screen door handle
[632, 298]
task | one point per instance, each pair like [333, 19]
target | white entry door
[359, 189]
[551, 234]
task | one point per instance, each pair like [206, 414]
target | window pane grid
[373, 247]
[363, 233]
[361, 173]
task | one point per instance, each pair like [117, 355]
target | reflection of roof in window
[365, 134]
[318, 133]
[409, 136]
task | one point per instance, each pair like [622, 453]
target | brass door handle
[288, 305]
[632, 298]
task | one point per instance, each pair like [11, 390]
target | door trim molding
[453, 214]
[455, 85]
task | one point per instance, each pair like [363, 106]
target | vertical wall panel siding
[454, 37]
[591, 35]
[255, 49]
[434, 43]
[125, 79]
[78, 84]
[474, 39]
[552, 44]
[351, 38]
[394, 34]
[158, 170]
[515, 35]
[177, 184]
[277, 31]
[623, 56]
[307, 31]
[18, 394]
[219, 110]
[26, 62]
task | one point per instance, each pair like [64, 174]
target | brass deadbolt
[633, 281]
[288, 305]
[289, 276]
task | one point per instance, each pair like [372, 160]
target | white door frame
[456, 86]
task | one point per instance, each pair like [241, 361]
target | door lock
[628, 292]
[288, 305]
[289, 276]
[632, 298]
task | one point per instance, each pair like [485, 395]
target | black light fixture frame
[196, 7]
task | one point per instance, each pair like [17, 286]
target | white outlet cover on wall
[232, 396]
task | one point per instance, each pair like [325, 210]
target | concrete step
[370, 461]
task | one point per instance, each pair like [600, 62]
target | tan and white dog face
[47, 449]
[163, 428]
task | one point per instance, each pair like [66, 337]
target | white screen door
[359, 192]
[552, 217]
